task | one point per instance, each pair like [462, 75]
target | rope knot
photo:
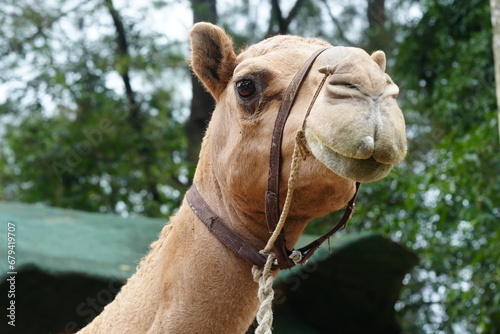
[301, 144]
[265, 278]
[296, 256]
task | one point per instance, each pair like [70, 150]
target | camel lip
[360, 170]
[313, 137]
[324, 144]
[370, 159]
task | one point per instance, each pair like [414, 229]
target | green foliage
[70, 137]
[444, 200]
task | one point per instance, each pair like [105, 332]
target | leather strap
[308, 251]
[218, 227]
[273, 183]
[222, 231]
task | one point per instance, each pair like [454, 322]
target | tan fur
[190, 282]
[216, 55]
[379, 58]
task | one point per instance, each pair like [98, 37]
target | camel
[190, 282]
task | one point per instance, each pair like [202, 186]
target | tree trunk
[495, 21]
[376, 13]
[202, 102]
[135, 118]
[123, 56]
[377, 34]
[282, 22]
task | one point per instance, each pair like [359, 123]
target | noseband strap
[273, 181]
[234, 241]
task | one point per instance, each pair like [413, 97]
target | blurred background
[99, 113]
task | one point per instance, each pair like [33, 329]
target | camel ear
[379, 58]
[212, 57]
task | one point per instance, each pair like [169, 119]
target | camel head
[358, 130]
[355, 131]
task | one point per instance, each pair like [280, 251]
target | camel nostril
[366, 148]
[327, 69]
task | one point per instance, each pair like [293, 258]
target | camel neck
[249, 224]
[187, 273]
[245, 213]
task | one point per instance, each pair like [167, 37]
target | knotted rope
[264, 276]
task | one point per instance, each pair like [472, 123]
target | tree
[443, 201]
[447, 208]
[495, 21]
[202, 102]
[73, 140]
[377, 30]
[279, 24]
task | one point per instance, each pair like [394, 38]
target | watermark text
[11, 274]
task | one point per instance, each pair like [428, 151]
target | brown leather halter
[233, 240]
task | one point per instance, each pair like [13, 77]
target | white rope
[265, 278]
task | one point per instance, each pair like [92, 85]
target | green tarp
[349, 289]
[68, 241]
[71, 263]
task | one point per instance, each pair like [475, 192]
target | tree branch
[123, 59]
[337, 24]
[495, 21]
[283, 22]
[275, 16]
[48, 23]
[293, 13]
[144, 150]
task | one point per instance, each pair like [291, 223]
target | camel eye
[245, 88]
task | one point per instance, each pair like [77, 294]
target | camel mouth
[359, 170]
